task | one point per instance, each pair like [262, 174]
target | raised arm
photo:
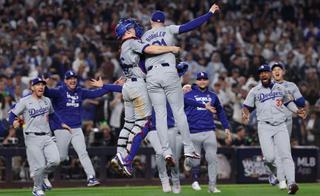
[106, 88]
[195, 23]
[51, 92]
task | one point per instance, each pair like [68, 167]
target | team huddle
[159, 109]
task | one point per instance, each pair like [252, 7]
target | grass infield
[230, 190]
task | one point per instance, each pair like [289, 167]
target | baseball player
[202, 129]
[163, 82]
[135, 95]
[270, 99]
[67, 100]
[277, 75]
[172, 131]
[42, 151]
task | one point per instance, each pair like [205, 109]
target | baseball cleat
[46, 185]
[282, 185]
[170, 161]
[187, 164]
[115, 164]
[192, 155]
[120, 159]
[293, 188]
[127, 169]
[176, 188]
[196, 186]
[213, 189]
[273, 180]
[38, 193]
[93, 182]
[166, 188]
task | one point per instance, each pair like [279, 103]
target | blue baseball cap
[158, 16]
[202, 75]
[277, 64]
[70, 74]
[38, 80]
[264, 67]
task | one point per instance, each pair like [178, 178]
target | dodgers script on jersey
[268, 102]
[35, 113]
[130, 58]
[162, 36]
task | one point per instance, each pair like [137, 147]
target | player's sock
[137, 141]
[195, 173]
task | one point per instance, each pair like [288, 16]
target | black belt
[135, 79]
[162, 64]
[269, 123]
[36, 133]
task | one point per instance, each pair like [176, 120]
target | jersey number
[160, 43]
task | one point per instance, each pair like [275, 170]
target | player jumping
[163, 82]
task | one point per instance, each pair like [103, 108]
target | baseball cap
[264, 67]
[158, 16]
[70, 74]
[202, 75]
[277, 64]
[38, 80]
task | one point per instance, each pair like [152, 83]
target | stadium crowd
[49, 37]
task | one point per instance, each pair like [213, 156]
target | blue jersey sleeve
[51, 92]
[55, 118]
[195, 23]
[220, 113]
[91, 94]
[300, 102]
[12, 117]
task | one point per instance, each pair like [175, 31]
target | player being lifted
[278, 72]
[135, 95]
[163, 82]
[270, 99]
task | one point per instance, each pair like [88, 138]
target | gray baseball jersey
[269, 103]
[35, 113]
[42, 151]
[163, 36]
[136, 99]
[293, 91]
[130, 58]
[163, 83]
[272, 130]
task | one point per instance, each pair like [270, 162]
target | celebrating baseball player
[163, 82]
[42, 151]
[202, 128]
[278, 72]
[135, 95]
[67, 100]
[270, 99]
[172, 131]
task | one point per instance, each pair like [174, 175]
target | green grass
[230, 190]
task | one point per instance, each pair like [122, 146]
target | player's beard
[267, 83]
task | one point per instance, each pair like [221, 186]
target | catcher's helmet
[126, 24]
